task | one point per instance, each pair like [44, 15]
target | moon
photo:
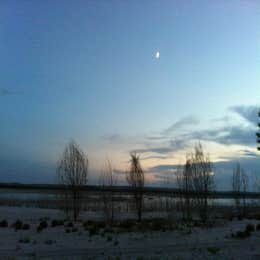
[157, 55]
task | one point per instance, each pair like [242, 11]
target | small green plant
[258, 227]
[25, 240]
[26, 227]
[74, 230]
[240, 217]
[4, 224]
[109, 238]
[67, 230]
[93, 231]
[116, 242]
[42, 225]
[213, 250]
[56, 223]
[250, 227]
[243, 234]
[49, 242]
[69, 225]
[17, 225]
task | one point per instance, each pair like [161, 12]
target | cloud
[249, 113]
[223, 170]
[112, 138]
[163, 168]
[185, 121]
[161, 150]
[153, 157]
[173, 145]
[226, 135]
[246, 152]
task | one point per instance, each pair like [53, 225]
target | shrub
[56, 223]
[258, 227]
[70, 225]
[67, 230]
[243, 234]
[127, 224]
[240, 217]
[213, 250]
[25, 240]
[250, 228]
[74, 229]
[93, 231]
[49, 242]
[4, 224]
[157, 224]
[43, 224]
[109, 238]
[26, 227]
[17, 224]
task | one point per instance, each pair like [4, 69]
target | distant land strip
[169, 192]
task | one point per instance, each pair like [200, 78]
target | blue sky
[87, 71]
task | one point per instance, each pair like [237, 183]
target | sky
[87, 71]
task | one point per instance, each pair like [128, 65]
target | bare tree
[258, 133]
[135, 178]
[184, 182]
[202, 179]
[236, 185]
[108, 179]
[168, 201]
[244, 184]
[240, 184]
[72, 171]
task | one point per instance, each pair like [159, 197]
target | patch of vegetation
[67, 230]
[25, 240]
[49, 242]
[243, 234]
[116, 242]
[26, 227]
[74, 230]
[4, 224]
[127, 224]
[240, 217]
[213, 250]
[17, 225]
[69, 225]
[250, 227]
[93, 231]
[42, 225]
[56, 223]
[258, 227]
[109, 238]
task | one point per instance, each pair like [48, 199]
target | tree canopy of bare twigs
[72, 171]
[135, 178]
[202, 179]
[184, 182]
[258, 133]
[239, 184]
[108, 179]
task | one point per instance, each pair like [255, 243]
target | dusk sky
[88, 71]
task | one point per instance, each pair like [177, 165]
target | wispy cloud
[112, 137]
[249, 113]
[225, 135]
[183, 122]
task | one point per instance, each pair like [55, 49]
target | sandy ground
[211, 243]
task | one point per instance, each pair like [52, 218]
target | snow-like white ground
[200, 243]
